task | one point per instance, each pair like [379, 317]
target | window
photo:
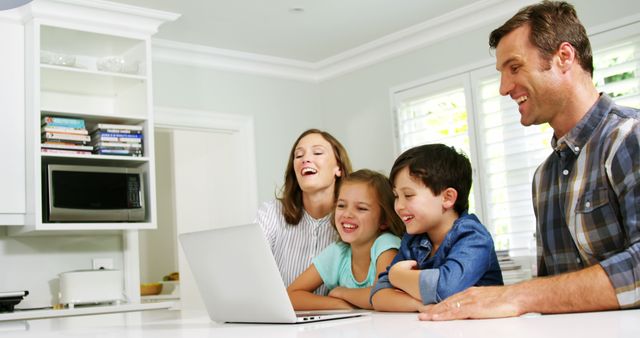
[617, 72]
[467, 111]
[435, 113]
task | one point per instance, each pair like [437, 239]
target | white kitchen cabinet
[12, 115]
[51, 64]
[95, 70]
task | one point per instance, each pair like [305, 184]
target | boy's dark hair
[438, 167]
[552, 23]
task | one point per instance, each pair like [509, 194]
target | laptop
[239, 280]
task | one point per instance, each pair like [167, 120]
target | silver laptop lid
[237, 275]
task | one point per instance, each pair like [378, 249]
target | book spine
[53, 121]
[101, 126]
[118, 145]
[116, 139]
[63, 130]
[125, 152]
[116, 135]
[65, 151]
[69, 146]
[62, 136]
[117, 131]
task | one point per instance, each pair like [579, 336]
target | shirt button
[565, 172]
[587, 204]
[577, 149]
[578, 260]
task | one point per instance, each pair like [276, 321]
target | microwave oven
[82, 193]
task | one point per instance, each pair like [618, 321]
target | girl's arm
[302, 296]
[360, 296]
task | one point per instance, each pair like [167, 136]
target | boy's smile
[420, 210]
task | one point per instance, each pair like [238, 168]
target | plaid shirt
[587, 199]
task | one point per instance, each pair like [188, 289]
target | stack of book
[64, 135]
[512, 269]
[117, 139]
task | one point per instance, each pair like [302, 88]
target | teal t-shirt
[334, 262]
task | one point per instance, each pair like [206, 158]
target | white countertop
[83, 310]
[176, 323]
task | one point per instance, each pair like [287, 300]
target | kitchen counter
[176, 323]
[82, 310]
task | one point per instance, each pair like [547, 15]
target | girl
[369, 230]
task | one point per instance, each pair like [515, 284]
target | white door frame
[196, 120]
[187, 119]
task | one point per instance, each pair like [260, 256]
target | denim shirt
[465, 258]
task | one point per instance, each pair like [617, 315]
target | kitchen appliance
[91, 286]
[77, 193]
[8, 299]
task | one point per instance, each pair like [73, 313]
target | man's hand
[475, 302]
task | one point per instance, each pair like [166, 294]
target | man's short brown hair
[552, 23]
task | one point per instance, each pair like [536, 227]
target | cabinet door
[12, 124]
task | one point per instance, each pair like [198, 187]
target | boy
[445, 249]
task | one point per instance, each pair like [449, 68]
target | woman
[298, 223]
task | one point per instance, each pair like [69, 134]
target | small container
[116, 64]
[57, 59]
[147, 289]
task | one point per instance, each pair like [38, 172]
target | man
[586, 195]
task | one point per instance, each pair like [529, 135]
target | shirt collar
[578, 136]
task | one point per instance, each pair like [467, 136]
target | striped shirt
[294, 246]
[587, 199]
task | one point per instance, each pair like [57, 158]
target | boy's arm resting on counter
[385, 297]
[468, 260]
[302, 296]
[360, 296]
[405, 276]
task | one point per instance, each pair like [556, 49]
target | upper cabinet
[12, 114]
[88, 85]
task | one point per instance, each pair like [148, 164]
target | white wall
[281, 110]
[357, 108]
[33, 263]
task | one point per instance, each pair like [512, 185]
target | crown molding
[393, 45]
[98, 13]
[230, 60]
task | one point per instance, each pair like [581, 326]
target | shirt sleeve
[328, 264]
[383, 279]
[623, 268]
[384, 242]
[267, 218]
[467, 261]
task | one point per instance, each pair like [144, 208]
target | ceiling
[322, 29]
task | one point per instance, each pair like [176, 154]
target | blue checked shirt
[586, 197]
